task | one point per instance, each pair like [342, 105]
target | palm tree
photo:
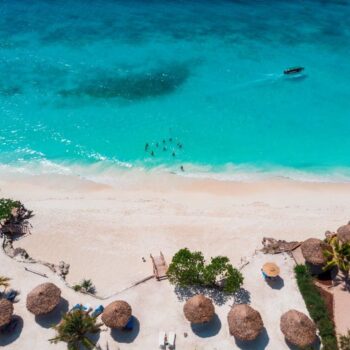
[4, 282]
[73, 330]
[338, 256]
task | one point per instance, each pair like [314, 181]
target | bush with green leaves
[316, 307]
[190, 269]
[85, 286]
[344, 341]
[6, 210]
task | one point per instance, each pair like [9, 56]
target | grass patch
[317, 307]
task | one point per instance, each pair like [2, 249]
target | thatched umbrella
[199, 309]
[43, 299]
[297, 328]
[116, 314]
[244, 322]
[6, 312]
[312, 250]
[344, 233]
[271, 269]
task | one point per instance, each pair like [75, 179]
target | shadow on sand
[260, 343]
[276, 283]
[242, 296]
[121, 336]
[209, 329]
[54, 317]
[9, 336]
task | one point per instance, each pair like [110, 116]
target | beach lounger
[98, 311]
[11, 295]
[87, 308]
[77, 307]
[130, 325]
[171, 340]
[162, 340]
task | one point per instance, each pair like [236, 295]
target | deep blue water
[85, 82]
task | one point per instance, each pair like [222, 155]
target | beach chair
[162, 340]
[10, 295]
[77, 307]
[86, 308]
[130, 325]
[171, 340]
[98, 311]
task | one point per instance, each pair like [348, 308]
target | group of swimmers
[163, 145]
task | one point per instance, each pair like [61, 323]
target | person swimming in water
[152, 154]
[173, 154]
[182, 168]
[157, 144]
[170, 139]
[164, 148]
[146, 146]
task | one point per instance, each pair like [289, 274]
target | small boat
[293, 70]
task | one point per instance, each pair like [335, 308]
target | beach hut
[297, 328]
[199, 309]
[117, 314]
[244, 322]
[43, 299]
[343, 233]
[270, 270]
[6, 312]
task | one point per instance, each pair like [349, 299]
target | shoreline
[105, 172]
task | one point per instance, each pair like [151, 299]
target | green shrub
[189, 269]
[316, 307]
[6, 206]
[344, 341]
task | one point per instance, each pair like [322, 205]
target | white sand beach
[103, 231]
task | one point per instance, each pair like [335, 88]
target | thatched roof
[199, 309]
[43, 298]
[116, 314]
[6, 311]
[271, 269]
[312, 250]
[344, 233]
[297, 328]
[244, 322]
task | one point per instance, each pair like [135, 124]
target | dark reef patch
[10, 90]
[134, 86]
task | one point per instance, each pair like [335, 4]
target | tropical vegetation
[75, 328]
[344, 341]
[316, 307]
[4, 282]
[338, 256]
[85, 286]
[190, 269]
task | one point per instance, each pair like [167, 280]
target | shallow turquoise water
[85, 82]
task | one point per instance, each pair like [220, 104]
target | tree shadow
[218, 296]
[260, 343]
[275, 283]
[242, 296]
[94, 337]
[124, 336]
[11, 332]
[208, 329]
[54, 317]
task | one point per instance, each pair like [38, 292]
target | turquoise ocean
[156, 84]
